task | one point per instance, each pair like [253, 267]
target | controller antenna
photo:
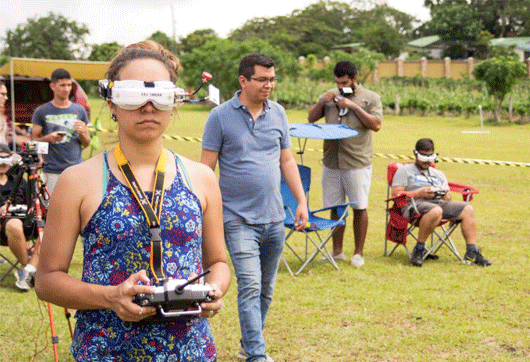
[180, 288]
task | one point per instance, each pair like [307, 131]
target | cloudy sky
[128, 21]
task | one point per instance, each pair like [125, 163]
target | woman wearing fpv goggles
[133, 94]
[139, 198]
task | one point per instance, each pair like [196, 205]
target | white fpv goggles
[133, 94]
[6, 160]
[426, 158]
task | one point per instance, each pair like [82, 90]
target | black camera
[438, 192]
[346, 91]
[18, 210]
[31, 150]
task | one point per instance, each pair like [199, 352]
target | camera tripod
[37, 206]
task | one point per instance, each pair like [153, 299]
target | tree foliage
[322, 25]
[221, 57]
[196, 39]
[164, 40]
[456, 22]
[504, 17]
[501, 18]
[3, 60]
[104, 52]
[458, 25]
[499, 74]
[384, 30]
[50, 37]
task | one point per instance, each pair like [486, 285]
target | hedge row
[420, 96]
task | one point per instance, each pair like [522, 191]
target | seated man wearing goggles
[429, 188]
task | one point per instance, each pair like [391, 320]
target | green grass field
[386, 310]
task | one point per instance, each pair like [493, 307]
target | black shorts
[29, 226]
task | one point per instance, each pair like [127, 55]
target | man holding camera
[429, 189]
[347, 169]
[64, 125]
[13, 230]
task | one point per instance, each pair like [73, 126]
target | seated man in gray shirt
[429, 188]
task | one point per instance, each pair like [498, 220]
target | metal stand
[481, 123]
[37, 207]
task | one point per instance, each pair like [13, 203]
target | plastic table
[322, 131]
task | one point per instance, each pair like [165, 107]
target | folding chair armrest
[341, 208]
[401, 199]
[466, 191]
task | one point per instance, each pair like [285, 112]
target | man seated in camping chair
[13, 229]
[428, 189]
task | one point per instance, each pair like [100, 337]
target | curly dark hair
[424, 144]
[345, 67]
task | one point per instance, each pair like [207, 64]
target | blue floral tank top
[116, 245]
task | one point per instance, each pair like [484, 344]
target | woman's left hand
[209, 309]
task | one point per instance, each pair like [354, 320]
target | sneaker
[357, 260]
[31, 278]
[417, 256]
[22, 278]
[243, 355]
[341, 256]
[476, 258]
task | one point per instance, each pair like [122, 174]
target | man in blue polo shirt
[249, 137]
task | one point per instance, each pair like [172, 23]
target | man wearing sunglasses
[64, 125]
[13, 230]
[429, 188]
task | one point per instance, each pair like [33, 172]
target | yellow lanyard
[152, 210]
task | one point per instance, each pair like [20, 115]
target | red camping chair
[399, 227]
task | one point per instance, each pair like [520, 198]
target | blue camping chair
[319, 230]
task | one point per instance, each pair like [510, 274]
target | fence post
[423, 67]
[470, 66]
[400, 67]
[528, 67]
[447, 67]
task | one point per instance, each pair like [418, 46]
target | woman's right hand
[122, 296]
